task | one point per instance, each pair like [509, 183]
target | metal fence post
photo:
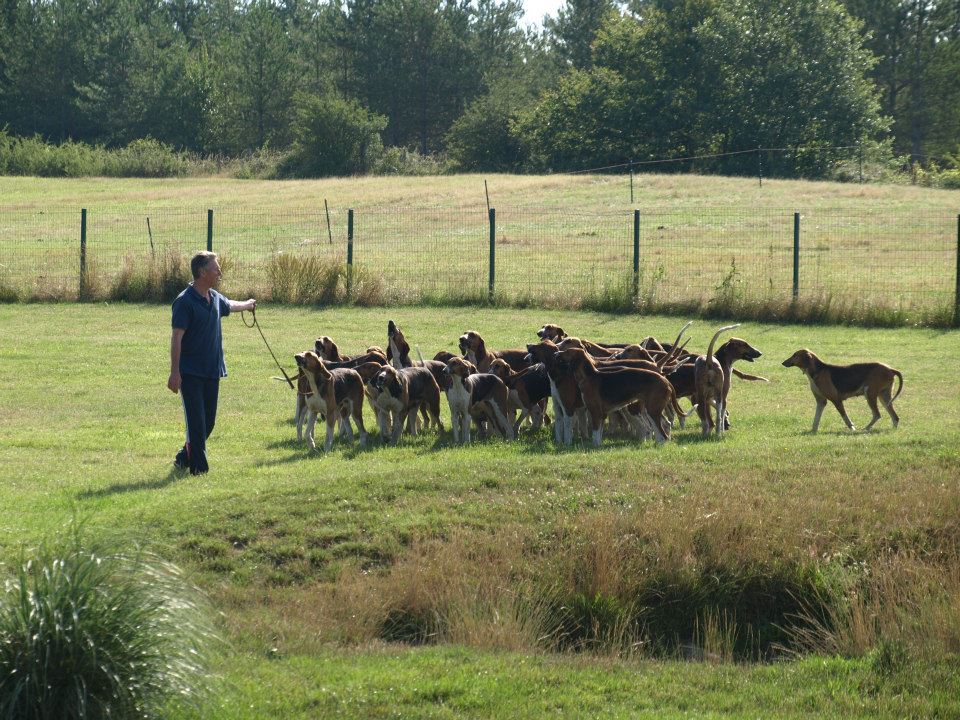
[796, 256]
[349, 252]
[493, 251]
[636, 256]
[210, 230]
[83, 253]
[956, 297]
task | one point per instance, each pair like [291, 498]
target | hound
[325, 348]
[335, 394]
[529, 390]
[398, 350]
[606, 392]
[567, 401]
[553, 333]
[473, 349]
[401, 392]
[836, 383]
[709, 381]
[474, 395]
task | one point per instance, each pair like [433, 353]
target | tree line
[333, 85]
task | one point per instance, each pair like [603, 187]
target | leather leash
[257, 326]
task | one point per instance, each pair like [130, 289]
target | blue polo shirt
[201, 352]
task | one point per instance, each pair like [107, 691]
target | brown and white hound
[400, 392]
[615, 389]
[474, 350]
[475, 396]
[335, 394]
[836, 383]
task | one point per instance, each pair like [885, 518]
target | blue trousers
[199, 397]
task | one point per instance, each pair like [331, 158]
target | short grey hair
[200, 261]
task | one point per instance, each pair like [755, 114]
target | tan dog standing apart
[836, 383]
[335, 394]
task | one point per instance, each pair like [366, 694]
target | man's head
[206, 267]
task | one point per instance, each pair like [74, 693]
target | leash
[255, 324]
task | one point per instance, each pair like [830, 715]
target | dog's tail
[713, 340]
[746, 376]
[419, 354]
[899, 377]
[675, 349]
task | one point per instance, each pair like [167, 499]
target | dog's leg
[466, 427]
[720, 411]
[888, 404]
[703, 410]
[311, 421]
[821, 404]
[333, 414]
[399, 420]
[358, 419]
[872, 402]
[383, 417]
[838, 404]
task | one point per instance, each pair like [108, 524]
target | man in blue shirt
[196, 356]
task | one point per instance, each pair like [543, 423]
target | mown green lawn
[88, 430]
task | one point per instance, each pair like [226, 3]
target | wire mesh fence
[551, 256]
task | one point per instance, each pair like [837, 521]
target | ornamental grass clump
[89, 632]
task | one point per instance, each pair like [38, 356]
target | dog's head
[571, 342]
[554, 333]
[310, 362]
[742, 350]
[471, 342]
[388, 380]
[572, 359]
[802, 359]
[327, 349]
[397, 346]
[458, 367]
[541, 352]
[632, 352]
[444, 356]
[500, 368]
[368, 370]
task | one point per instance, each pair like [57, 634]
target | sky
[534, 10]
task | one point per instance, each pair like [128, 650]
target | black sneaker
[182, 460]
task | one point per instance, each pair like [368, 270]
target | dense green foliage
[602, 83]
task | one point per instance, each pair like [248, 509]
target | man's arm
[238, 306]
[176, 339]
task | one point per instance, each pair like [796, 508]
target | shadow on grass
[118, 488]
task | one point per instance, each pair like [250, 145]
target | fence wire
[547, 255]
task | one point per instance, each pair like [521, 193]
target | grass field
[428, 580]
[561, 240]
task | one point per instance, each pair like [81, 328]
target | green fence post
[493, 251]
[349, 252]
[83, 253]
[210, 230]
[796, 256]
[636, 256]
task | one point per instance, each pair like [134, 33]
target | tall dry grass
[654, 584]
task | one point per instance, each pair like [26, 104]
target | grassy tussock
[156, 279]
[89, 632]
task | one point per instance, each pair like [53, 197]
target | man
[196, 356]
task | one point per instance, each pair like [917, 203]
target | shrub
[403, 161]
[89, 632]
[333, 135]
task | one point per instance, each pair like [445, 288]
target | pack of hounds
[631, 388]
